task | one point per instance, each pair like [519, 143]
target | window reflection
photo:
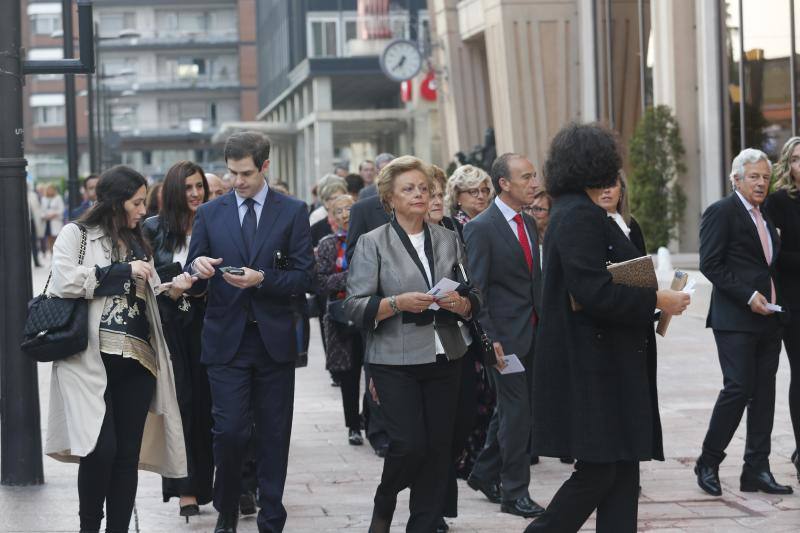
[766, 96]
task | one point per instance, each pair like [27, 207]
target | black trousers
[611, 488]
[110, 473]
[466, 415]
[506, 456]
[419, 404]
[252, 391]
[749, 363]
[350, 385]
[791, 339]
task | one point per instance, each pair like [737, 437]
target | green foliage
[656, 154]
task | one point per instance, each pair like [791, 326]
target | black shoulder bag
[477, 332]
[57, 327]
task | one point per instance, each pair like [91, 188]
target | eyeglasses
[538, 209]
[483, 191]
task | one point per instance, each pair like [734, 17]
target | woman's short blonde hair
[464, 178]
[399, 165]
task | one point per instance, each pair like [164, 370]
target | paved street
[330, 484]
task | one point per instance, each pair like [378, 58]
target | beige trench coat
[78, 382]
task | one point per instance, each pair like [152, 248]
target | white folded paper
[444, 286]
[774, 307]
[513, 364]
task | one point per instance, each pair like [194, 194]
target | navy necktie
[249, 225]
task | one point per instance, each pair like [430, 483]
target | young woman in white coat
[107, 401]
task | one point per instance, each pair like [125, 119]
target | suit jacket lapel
[504, 230]
[269, 215]
[231, 211]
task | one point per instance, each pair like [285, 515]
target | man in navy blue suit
[248, 342]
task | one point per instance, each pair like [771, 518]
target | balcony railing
[171, 82]
[170, 37]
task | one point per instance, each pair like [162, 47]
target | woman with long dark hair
[184, 189]
[119, 393]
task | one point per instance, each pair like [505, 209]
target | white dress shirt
[750, 209]
[418, 242]
[260, 198]
[509, 215]
[616, 217]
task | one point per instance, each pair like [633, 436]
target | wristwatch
[393, 305]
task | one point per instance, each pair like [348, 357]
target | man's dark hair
[354, 183]
[90, 177]
[582, 156]
[364, 162]
[248, 143]
[500, 169]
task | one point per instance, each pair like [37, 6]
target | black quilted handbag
[57, 327]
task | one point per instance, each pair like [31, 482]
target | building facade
[323, 97]
[169, 73]
[526, 67]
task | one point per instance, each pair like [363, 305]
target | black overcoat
[593, 396]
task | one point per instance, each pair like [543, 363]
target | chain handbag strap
[81, 255]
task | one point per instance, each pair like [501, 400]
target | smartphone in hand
[234, 271]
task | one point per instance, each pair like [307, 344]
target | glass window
[111, 24]
[48, 116]
[123, 117]
[765, 97]
[45, 24]
[323, 38]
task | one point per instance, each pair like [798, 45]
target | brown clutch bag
[639, 272]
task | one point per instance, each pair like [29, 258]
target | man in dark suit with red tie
[738, 248]
[503, 254]
[248, 343]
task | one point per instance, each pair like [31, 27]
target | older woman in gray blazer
[413, 342]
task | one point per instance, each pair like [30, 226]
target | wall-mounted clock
[401, 60]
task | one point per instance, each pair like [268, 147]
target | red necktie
[526, 251]
[523, 241]
[762, 235]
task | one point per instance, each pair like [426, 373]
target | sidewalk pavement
[331, 484]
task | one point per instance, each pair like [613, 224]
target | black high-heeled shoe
[189, 510]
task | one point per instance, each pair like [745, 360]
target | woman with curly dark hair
[593, 399]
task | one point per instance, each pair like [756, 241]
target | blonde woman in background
[52, 215]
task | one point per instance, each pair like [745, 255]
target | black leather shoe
[490, 490]
[227, 522]
[708, 478]
[567, 460]
[442, 526]
[796, 463]
[354, 438]
[524, 507]
[247, 503]
[752, 481]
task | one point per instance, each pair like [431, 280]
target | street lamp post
[73, 186]
[20, 428]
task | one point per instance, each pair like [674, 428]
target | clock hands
[399, 63]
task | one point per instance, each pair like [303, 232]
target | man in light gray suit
[503, 256]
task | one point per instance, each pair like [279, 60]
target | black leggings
[350, 385]
[109, 474]
[791, 339]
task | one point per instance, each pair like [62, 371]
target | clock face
[401, 60]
